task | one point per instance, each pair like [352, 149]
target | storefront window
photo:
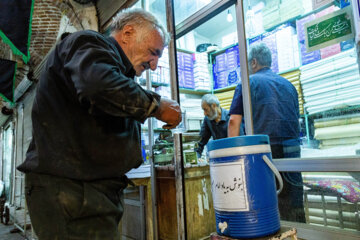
[212, 33]
[326, 78]
[200, 55]
[157, 8]
[185, 8]
[160, 83]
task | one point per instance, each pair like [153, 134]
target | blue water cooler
[243, 186]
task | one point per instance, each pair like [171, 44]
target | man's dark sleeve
[98, 78]
[237, 102]
[205, 135]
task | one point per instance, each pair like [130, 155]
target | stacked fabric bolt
[225, 98]
[287, 48]
[290, 9]
[277, 11]
[194, 113]
[271, 13]
[294, 78]
[331, 83]
[201, 72]
[339, 131]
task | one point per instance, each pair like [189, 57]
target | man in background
[86, 127]
[215, 122]
[275, 110]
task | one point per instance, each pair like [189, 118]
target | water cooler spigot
[223, 226]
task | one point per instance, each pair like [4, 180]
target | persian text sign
[228, 186]
[329, 29]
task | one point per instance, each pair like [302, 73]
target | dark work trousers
[291, 203]
[65, 209]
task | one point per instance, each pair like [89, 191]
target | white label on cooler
[228, 186]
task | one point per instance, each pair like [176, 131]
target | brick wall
[45, 25]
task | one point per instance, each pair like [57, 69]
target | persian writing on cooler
[228, 186]
[237, 184]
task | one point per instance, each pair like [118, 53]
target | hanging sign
[15, 25]
[329, 29]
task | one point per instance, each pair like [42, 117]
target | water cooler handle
[275, 171]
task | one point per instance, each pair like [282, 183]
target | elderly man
[275, 110]
[86, 127]
[215, 121]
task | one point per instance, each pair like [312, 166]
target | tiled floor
[5, 233]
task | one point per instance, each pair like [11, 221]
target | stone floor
[5, 233]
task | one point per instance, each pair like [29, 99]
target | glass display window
[186, 8]
[196, 74]
[213, 46]
[158, 9]
[219, 31]
[326, 78]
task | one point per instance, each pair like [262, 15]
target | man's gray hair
[210, 99]
[139, 18]
[261, 53]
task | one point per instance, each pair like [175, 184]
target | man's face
[145, 50]
[209, 111]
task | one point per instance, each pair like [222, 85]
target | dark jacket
[210, 128]
[87, 111]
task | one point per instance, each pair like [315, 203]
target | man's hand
[169, 112]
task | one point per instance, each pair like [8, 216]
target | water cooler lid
[238, 142]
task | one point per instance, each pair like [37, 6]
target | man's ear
[128, 33]
[254, 63]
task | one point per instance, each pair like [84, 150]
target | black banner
[7, 79]
[15, 25]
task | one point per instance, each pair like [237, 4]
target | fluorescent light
[229, 17]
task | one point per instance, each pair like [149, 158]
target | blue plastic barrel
[243, 187]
